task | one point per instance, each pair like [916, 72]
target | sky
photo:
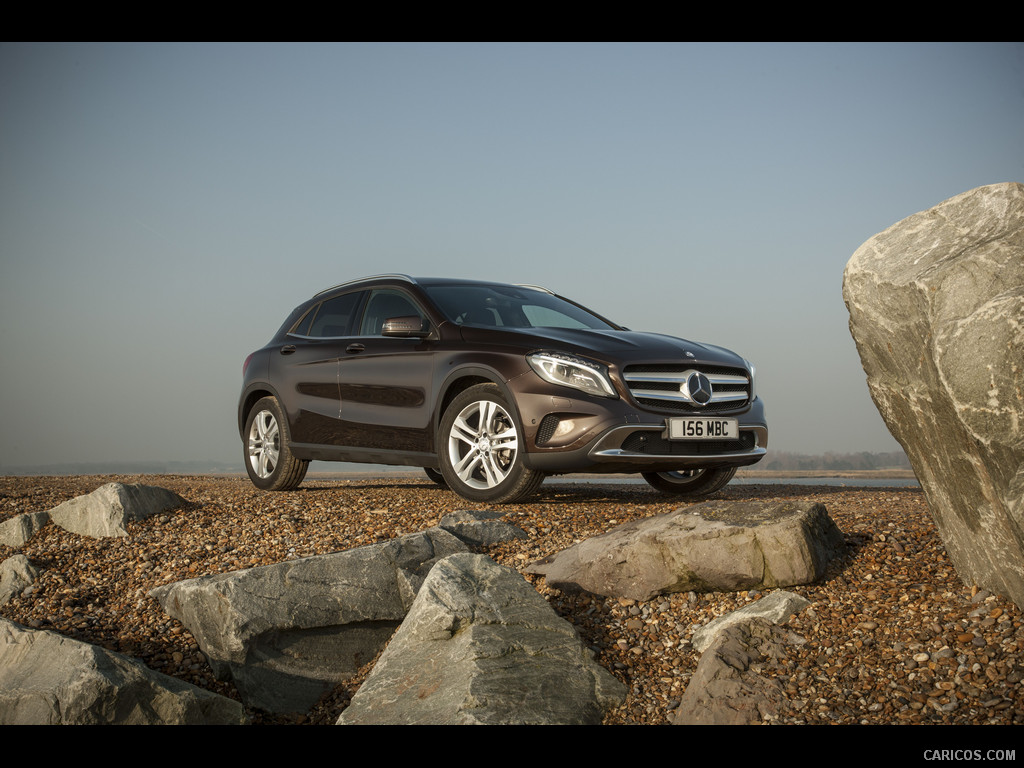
[164, 206]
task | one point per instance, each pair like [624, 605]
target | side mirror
[405, 327]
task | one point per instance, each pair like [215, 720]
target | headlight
[576, 372]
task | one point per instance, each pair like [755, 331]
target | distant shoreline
[411, 472]
[768, 474]
[880, 474]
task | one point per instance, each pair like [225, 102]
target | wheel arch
[249, 398]
[462, 379]
[482, 459]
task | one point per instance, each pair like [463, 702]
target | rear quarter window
[331, 319]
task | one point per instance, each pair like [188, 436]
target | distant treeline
[782, 461]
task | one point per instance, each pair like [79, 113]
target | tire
[268, 456]
[480, 448]
[435, 476]
[694, 482]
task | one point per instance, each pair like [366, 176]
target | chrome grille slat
[660, 386]
[668, 378]
[654, 394]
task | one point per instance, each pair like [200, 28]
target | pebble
[891, 636]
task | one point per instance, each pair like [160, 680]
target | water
[849, 482]
[852, 482]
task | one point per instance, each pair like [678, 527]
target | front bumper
[645, 448]
[613, 436]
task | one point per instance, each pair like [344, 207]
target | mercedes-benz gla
[490, 387]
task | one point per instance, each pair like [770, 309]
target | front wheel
[268, 455]
[481, 448]
[692, 482]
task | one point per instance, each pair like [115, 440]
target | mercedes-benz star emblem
[697, 387]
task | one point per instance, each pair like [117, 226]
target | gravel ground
[893, 636]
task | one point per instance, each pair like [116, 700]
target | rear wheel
[691, 482]
[268, 456]
[435, 476]
[481, 449]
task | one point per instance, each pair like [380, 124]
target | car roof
[424, 281]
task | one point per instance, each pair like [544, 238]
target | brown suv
[490, 387]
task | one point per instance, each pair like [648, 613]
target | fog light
[565, 427]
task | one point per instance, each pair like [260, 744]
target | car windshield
[509, 306]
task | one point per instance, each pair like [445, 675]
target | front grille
[654, 444]
[663, 387]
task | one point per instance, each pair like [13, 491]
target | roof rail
[394, 276]
[536, 288]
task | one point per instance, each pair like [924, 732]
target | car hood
[609, 347]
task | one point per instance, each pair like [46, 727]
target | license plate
[703, 429]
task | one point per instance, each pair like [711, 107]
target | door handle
[355, 348]
[287, 349]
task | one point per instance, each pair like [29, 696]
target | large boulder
[287, 633]
[937, 311]
[47, 679]
[717, 546]
[108, 510]
[481, 646]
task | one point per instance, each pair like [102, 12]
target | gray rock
[287, 633]
[478, 528]
[481, 646]
[937, 311]
[710, 547]
[47, 679]
[16, 573]
[107, 510]
[775, 608]
[16, 531]
[728, 687]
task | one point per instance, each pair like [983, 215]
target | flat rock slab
[936, 306]
[287, 633]
[732, 684]
[481, 646]
[16, 531]
[717, 546]
[480, 528]
[107, 510]
[48, 679]
[775, 608]
[16, 574]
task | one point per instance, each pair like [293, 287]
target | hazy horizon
[775, 461]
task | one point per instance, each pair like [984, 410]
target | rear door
[305, 368]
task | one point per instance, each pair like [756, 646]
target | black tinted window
[334, 317]
[301, 328]
[512, 307]
[385, 304]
